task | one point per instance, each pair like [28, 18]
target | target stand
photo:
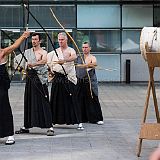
[150, 131]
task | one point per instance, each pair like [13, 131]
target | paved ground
[122, 107]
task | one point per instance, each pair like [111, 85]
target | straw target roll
[150, 36]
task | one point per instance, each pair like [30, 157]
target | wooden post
[150, 131]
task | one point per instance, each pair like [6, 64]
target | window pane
[101, 40]
[97, 0]
[106, 16]
[130, 41]
[52, 0]
[8, 0]
[18, 1]
[11, 16]
[65, 14]
[137, 16]
[156, 16]
[106, 62]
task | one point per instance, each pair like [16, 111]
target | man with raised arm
[6, 117]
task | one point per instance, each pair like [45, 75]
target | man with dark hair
[37, 111]
[6, 117]
[88, 99]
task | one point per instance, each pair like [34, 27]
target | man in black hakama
[88, 97]
[37, 110]
[63, 98]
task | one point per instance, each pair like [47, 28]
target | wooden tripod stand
[150, 131]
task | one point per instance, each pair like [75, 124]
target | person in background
[88, 99]
[6, 117]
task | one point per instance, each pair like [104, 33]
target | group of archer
[74, 91]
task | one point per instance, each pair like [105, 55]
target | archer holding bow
[37, 111]
[63, 101]
[90, 106]
[6, 117]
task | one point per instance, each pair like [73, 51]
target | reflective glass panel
[137, 15]
[130, 41]
[65, 14]
[102, 41]
[98, 16]
[157, 16]
[11, 16]
[52, 0]
[97, 0]
[108, 62]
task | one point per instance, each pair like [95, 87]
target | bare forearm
[91, 65]
[15, 45]
[71, 58]
[41, 62]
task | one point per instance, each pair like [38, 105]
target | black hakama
[37, 110]
[90, 106]
[63, 101]
[6, 117]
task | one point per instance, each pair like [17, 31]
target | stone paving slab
[122, 107]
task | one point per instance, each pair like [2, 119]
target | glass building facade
[112, 27]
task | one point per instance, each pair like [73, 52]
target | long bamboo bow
[90, 86]
[25, 43]
[65, 73]
[46, 35]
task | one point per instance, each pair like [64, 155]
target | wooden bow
[90, 86]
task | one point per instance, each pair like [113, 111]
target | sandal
[21, 131]
[80, 126]
[10, 142]
[50, 132]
